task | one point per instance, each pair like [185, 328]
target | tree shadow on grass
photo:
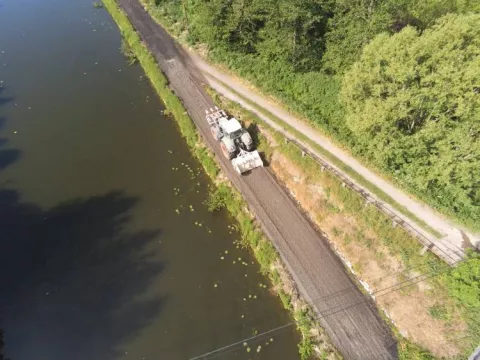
[70, 277]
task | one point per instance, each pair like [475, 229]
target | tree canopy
[413, 102]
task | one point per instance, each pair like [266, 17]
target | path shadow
[70, 277]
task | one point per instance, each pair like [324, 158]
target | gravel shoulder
[349, 317]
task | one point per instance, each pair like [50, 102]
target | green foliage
[409, 351]
[218, 197]
[97, 5]
[463, 283]
[128, 52]
[439, 311]
[286, 300]
[413, 102]
[356, 23]
[289, 31]
[266, 255]
[305, 323]
[305, 348]
[207, 161]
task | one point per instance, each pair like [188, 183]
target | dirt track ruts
[357, 331]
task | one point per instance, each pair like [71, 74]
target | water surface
[106, 248]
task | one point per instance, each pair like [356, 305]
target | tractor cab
[231, 128]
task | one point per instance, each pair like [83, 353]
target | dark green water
[95, 262]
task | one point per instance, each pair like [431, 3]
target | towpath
[349, 317]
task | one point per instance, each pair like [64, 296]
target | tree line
[396, 81]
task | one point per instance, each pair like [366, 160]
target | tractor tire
[226, 153]
[215, 133]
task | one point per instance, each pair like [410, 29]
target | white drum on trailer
[246, 161]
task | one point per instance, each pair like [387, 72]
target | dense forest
[396, 81]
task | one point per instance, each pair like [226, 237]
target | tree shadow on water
[7, 156]
[4, 99]
[71, 277]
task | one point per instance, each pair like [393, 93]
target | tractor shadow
[260, 142]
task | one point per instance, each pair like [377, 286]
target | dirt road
[349, 317]
[454, 240]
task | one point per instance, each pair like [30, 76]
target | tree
[2, 344]
[413, 102]
[464, 282]
[294, 32]
[356, 22]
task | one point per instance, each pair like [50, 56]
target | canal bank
[95, 260]
[358, 330]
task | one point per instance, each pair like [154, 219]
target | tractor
[235, 142]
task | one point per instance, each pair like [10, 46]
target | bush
[218, 198]
[408, 123]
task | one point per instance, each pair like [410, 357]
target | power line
[433, 274]
[378, 204]
[436, 273]
[389, 292]
[242, 341]
[353, 288]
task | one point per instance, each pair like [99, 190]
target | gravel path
[349, 317]
[454, 240]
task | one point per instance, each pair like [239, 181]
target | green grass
[439, 312]
[97, 5]
[128, 52]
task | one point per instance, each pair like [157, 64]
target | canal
[107, 250]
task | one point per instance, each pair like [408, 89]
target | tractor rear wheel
[226, 153]
[215, 133]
